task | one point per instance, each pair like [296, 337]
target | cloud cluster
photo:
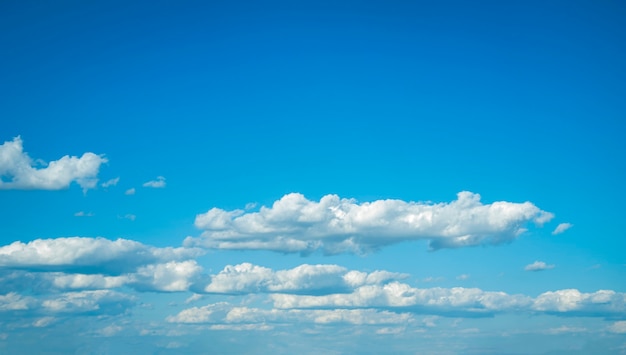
[88, 255]
[227, 314]
[459, 300]
[19, 171]
[303, 279]
[340, 225]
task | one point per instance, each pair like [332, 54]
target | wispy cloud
[111, 182]
[562, 228]
[130, 191]
[538, 266]
[24, 174]
[158, 183]
[84, 214]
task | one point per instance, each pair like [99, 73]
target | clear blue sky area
[313, 177]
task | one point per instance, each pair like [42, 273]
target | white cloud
[13, 301]
[83, 214]
[562, 228]
[88, 255]
[98, 301]
[228, 314]
[396, 294]
[463, 277]
[458, 300]
[87, 281]
[575, 302]
[538, 266]
[618, 327]
[130, 191]
[111, 182]
[337, 225]
[43, 322]
[169, 277]
[310, 279]
[22, 172]
[158, 183]
[110, 330]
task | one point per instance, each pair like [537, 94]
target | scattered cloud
[463, 277]
[565, 329]
[618, 327]
[430, 279]
[111, 182]
[303, 279]
[226, 313]
[24, 174]
[83, 214]
[88, 255]
[461, 301]
[572, 301]
[339, 225]
[562, 228]
[158, 183]
[129, 216]
[538, 266]
[130, 191]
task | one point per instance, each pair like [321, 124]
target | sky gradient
[312, 177]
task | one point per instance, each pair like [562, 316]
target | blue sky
[306, 177]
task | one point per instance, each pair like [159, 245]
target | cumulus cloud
[562, 228]
[228, 314]
[400, 295]
[338, 225]
[88, 255]
[19, 171]
[130, 191]
[538, 266]
[168, 277]
[309, 279]
[158, 183]
[459, 300]
[572, 301]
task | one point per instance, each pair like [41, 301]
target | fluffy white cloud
[158, 183]
[86, 281]
[396, 294]
[538, 266]
[88, 255]
[458, 300]
[227, 314]
[169, 277]
[310, 279]
[562, 228]
[573, 301]
[336, 225]
[19, 171]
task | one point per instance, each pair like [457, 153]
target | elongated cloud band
[19, 169]
[339, 225]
